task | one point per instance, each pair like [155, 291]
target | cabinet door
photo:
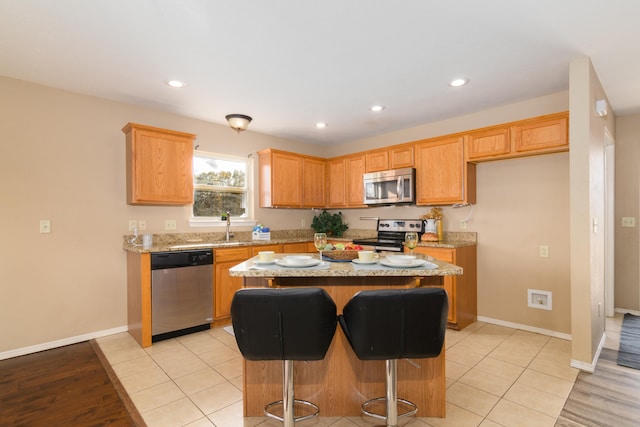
[376, 161]
[442, 175]
[448, 282]
[541, 135]
[286, 180]
[225, 286]
[355, 167]
[337, 185]
[159, 166]
[401, 157]
[313, 183]
[488, 144]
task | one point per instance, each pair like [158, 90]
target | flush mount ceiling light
[376, 108]
[176, 83]
[321, 125]
[458, 82]
[238, 122]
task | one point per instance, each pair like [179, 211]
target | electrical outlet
[544, 251]
[169, 224]
[133, 224]
[302, 223]
[628, 221]
[142, 224]
[45, 226]
[463, 225]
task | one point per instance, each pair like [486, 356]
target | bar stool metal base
[391, 399]
[288, 417]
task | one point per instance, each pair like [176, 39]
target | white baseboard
[590, 367]
[624, 310]
[60, 343]
[527, 328]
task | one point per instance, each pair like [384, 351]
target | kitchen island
[341, 382]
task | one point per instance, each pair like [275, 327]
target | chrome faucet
[229, 233]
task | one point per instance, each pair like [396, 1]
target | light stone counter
[250, 268]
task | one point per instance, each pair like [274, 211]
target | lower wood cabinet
[224, 285]
[462, 290]
[293, 248]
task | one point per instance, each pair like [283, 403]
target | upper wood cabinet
[345, 185]
[395, 157]
[539, 135]
[401, 156]
[488, 143]
[336, 183]
[544, 134]
[376, 160]
[290, 180]
[313, 182]
[159, 166]
[442, 174]
[354, 169]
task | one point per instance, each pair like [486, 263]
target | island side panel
[341, 382]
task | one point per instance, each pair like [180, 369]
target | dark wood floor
[66, 386]
[608, 397]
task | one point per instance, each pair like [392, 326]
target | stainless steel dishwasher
[181, 293]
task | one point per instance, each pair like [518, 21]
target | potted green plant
[331, 224]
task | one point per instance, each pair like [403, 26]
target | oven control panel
[400, 225]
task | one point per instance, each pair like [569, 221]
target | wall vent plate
[539, 299]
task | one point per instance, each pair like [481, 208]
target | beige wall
[62, 158]
[627, 252]
[587, 210]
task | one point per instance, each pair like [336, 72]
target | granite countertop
[250, 268]
[167, 242]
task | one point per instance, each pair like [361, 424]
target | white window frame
[248, 219]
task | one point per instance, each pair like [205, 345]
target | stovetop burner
[391, 234]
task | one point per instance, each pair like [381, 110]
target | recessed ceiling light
[458, 82]
[321, 125]
[176, 83]
[376, 108]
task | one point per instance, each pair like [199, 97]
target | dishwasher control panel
[162, 260]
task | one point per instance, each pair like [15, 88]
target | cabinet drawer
[274, 248]
[291, 248]
[442, 254]
[232, 254]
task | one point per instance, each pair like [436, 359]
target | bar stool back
[284, 324]
[395, 324]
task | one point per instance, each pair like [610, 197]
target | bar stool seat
[395, 324]
[284, 324]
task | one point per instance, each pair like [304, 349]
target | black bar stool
[395, 324]
[284, 324]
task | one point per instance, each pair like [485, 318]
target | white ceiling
[292, 63]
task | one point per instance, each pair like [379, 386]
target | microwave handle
[400, 187]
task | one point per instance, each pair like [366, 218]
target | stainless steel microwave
[390, 187]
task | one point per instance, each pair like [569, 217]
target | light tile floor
[496, 376]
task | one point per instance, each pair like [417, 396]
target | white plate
[358, 261]
[426, 265]
[264, 262]
[312, 262]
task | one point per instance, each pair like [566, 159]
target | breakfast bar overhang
[341, 382]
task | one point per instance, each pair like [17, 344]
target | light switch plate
[45, 226]
[628, 221]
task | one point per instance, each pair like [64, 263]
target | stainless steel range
[391, 234]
